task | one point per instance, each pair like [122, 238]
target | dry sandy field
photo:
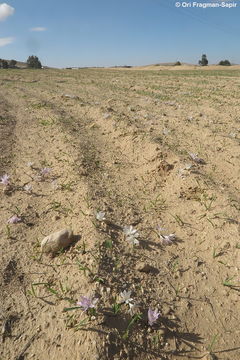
[143, 166]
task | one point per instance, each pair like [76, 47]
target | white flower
[182, 171]
[166, 131]
[130, 231]
[125, 295]
[30, 164]
[100, 216]
[188, 166]
[133, 308]
[28, 188]
[106, 116]
[55, 185]
[132, 240]
[5, 179]
[195, 158]
[168, 239]
[131, 234]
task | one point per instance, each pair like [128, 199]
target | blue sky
[124, 32]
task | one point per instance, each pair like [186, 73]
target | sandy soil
[119, 142]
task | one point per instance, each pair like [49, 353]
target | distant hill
[19, 64]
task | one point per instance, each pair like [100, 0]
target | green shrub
[224, 63]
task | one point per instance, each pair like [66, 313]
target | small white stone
[57, 241]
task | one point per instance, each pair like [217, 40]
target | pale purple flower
[27, 188]
[45, 171]
[14, 220]
[100, 216]
[168, 239]
[195, 158]
[5, 179]
[87, 302]
[126, 296]
[159, 228]
[152, 316]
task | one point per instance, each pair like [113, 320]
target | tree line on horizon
[204, 62]
[33, 62]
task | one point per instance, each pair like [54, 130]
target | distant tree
[33, 62]
[177, 63]
[12, 64]
[224, 63]
[3, 64]
[204, 60]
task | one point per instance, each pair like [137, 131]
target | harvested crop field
[143, 166]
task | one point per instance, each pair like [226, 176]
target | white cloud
[6, 41]
[38, 29]
[5, 11]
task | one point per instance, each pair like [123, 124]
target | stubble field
[155, 150]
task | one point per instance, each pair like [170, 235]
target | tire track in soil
[25, 315]
[122, 210]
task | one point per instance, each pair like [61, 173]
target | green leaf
[108, 244]
[71, 308]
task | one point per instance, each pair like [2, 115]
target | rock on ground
[57, 241]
